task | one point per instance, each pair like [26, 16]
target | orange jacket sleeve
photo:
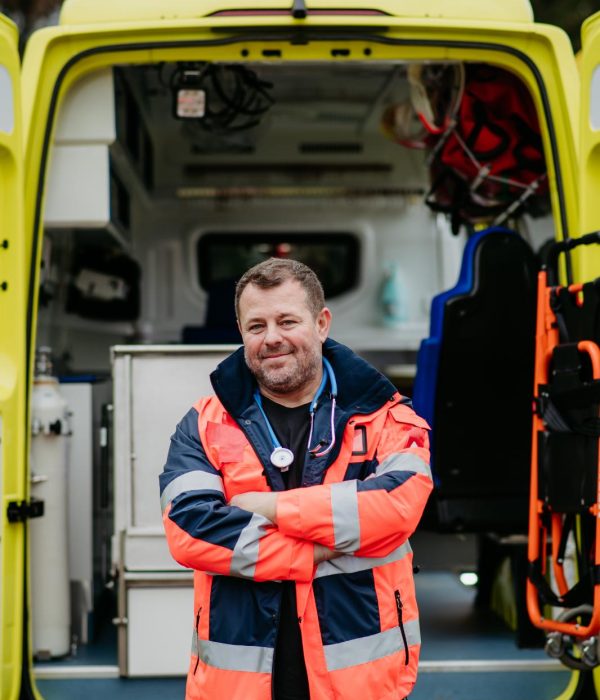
[205, 533]
[374, 516]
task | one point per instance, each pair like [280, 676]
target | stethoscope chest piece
[282, 458]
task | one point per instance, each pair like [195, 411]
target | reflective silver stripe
[371, 648]
[245, 552]
[349, 564]
[344, 508]
[195, 480]
[412, 631]
[233, 657]
[403, 461]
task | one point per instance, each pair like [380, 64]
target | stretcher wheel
[578, 654]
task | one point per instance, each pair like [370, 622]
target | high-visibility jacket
[357, 613]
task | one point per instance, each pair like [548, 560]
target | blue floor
[490, 686]
[452, 630]
[117, 689]
[430, 686]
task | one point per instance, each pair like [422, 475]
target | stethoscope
[282, 457]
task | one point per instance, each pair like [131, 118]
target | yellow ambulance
[153, 149]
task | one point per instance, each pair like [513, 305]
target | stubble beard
[289, 379]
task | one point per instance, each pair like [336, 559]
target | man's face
[282, 338]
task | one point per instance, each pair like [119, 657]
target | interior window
[333, 256]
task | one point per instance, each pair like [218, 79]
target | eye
[288, 322]
[255, 328]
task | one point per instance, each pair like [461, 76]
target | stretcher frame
[547, 338]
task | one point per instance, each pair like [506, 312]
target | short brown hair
[275, 271]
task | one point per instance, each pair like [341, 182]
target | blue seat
[474, 386]
[428, 357]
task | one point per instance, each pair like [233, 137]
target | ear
[323, 323]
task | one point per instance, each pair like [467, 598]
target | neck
[299, 397]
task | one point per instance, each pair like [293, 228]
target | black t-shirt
[292, 426]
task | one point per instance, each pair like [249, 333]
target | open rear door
[13, 482]
[587, 258]
[589, 170]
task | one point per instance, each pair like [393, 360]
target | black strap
[569, 402]
[556, 304]
[568, 523]
[580, 594]
[550, 414]
[561, 421]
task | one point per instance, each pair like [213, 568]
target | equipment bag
[488, 164]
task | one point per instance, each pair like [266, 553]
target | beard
[292, 377]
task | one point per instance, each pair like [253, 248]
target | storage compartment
[154, 387]
[147, 653]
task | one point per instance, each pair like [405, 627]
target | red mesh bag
[489, 163]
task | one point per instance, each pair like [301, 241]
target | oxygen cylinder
[50, 593]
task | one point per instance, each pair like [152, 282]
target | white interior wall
[399, 231]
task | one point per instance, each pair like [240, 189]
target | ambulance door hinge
[25, 510]
[299, 10]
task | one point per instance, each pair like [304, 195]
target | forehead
[288, 297]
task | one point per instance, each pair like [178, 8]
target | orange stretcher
[565, 468]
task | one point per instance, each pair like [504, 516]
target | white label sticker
[7, 107]
[191, 104]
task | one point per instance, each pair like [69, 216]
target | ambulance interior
[151, 216]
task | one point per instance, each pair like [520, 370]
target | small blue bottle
[391, 297]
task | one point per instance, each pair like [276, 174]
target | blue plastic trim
[465, 280]
[428, 358]
[79, 379]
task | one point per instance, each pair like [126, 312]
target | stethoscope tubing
[328, 375]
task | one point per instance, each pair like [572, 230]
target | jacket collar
[361, 388]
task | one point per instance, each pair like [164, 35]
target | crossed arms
[282, 536]
[265, 504]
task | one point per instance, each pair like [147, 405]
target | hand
[262, 502]
[265, 503]
[323, 553]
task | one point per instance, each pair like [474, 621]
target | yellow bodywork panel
[589, 125]
[86, 12]
[13, 472]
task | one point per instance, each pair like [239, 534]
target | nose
[272, 334]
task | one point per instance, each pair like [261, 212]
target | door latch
[25, 510]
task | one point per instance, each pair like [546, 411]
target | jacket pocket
[399, 610]
[197, 639]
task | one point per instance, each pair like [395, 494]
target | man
[292, 494]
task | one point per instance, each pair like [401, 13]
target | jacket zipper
[197, 639]
[399, 608]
